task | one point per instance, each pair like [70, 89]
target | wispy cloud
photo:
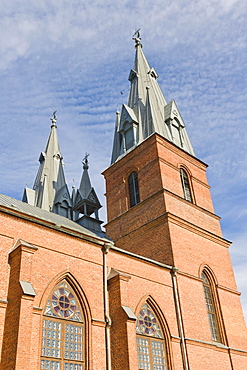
[75, 57]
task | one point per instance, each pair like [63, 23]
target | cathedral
[155, 290]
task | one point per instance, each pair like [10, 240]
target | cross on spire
[137, 37]
[54, 117]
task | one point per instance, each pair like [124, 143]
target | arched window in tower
[150, 341]
[63, 334]
[185, 185]
[211, 309]
[133, 189]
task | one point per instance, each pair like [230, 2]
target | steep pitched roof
[49, 219]
[86, 202]
[50, 186]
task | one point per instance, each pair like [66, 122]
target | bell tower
[159, 207]
[155, 183]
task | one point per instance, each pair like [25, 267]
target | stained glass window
[150, 341]
[210, 308]
[63, 331]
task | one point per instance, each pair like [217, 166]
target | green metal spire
[50, 191]
[147, 111]
[86, 202]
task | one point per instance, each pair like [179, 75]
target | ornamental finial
[54, 118]
[85, 161]
[137, 37]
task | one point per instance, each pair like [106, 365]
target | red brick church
[156, 291]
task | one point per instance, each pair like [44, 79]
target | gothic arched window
[133, 189]
[150, 341]
[63, 333]
[211, 309]
[185, 185]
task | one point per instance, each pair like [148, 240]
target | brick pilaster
[18, 320]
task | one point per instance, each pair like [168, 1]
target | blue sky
[75, 56]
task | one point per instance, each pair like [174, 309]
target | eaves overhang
[144, 141]
[51, 220]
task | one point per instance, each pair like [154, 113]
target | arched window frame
[85, 311]
[212, 306]
[133, 189]
[165, 338]
[186, 184]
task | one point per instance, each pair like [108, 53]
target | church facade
[156, 291]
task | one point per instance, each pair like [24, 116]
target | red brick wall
[169, 229]
[163, 227]
[58, 254]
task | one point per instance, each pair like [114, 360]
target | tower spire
[147, 111]
[50, 191]
[86, 201]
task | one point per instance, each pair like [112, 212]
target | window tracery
[150, 341]
[63, 338]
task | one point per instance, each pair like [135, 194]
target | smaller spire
[50, 191]
[86, 202]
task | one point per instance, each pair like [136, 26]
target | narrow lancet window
[150, 341]
[133, 189]
[63, 338]
[185, 185]
[210, 308]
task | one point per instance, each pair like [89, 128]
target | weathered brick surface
[169, 229]
[208, 357]
[163, 227]
[58, 254]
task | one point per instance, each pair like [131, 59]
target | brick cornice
[216, 345]
[180, 152]
[194, 277]
[193, 205]
[162, 191]
[169, 217]
[197, 230]
[155, 139]
[228, 289]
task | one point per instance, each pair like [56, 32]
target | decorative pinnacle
[137, 37]
[54, 118]
[85, 161]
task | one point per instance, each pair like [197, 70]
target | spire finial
[85, 161]
[137, 37]
[54, 118]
